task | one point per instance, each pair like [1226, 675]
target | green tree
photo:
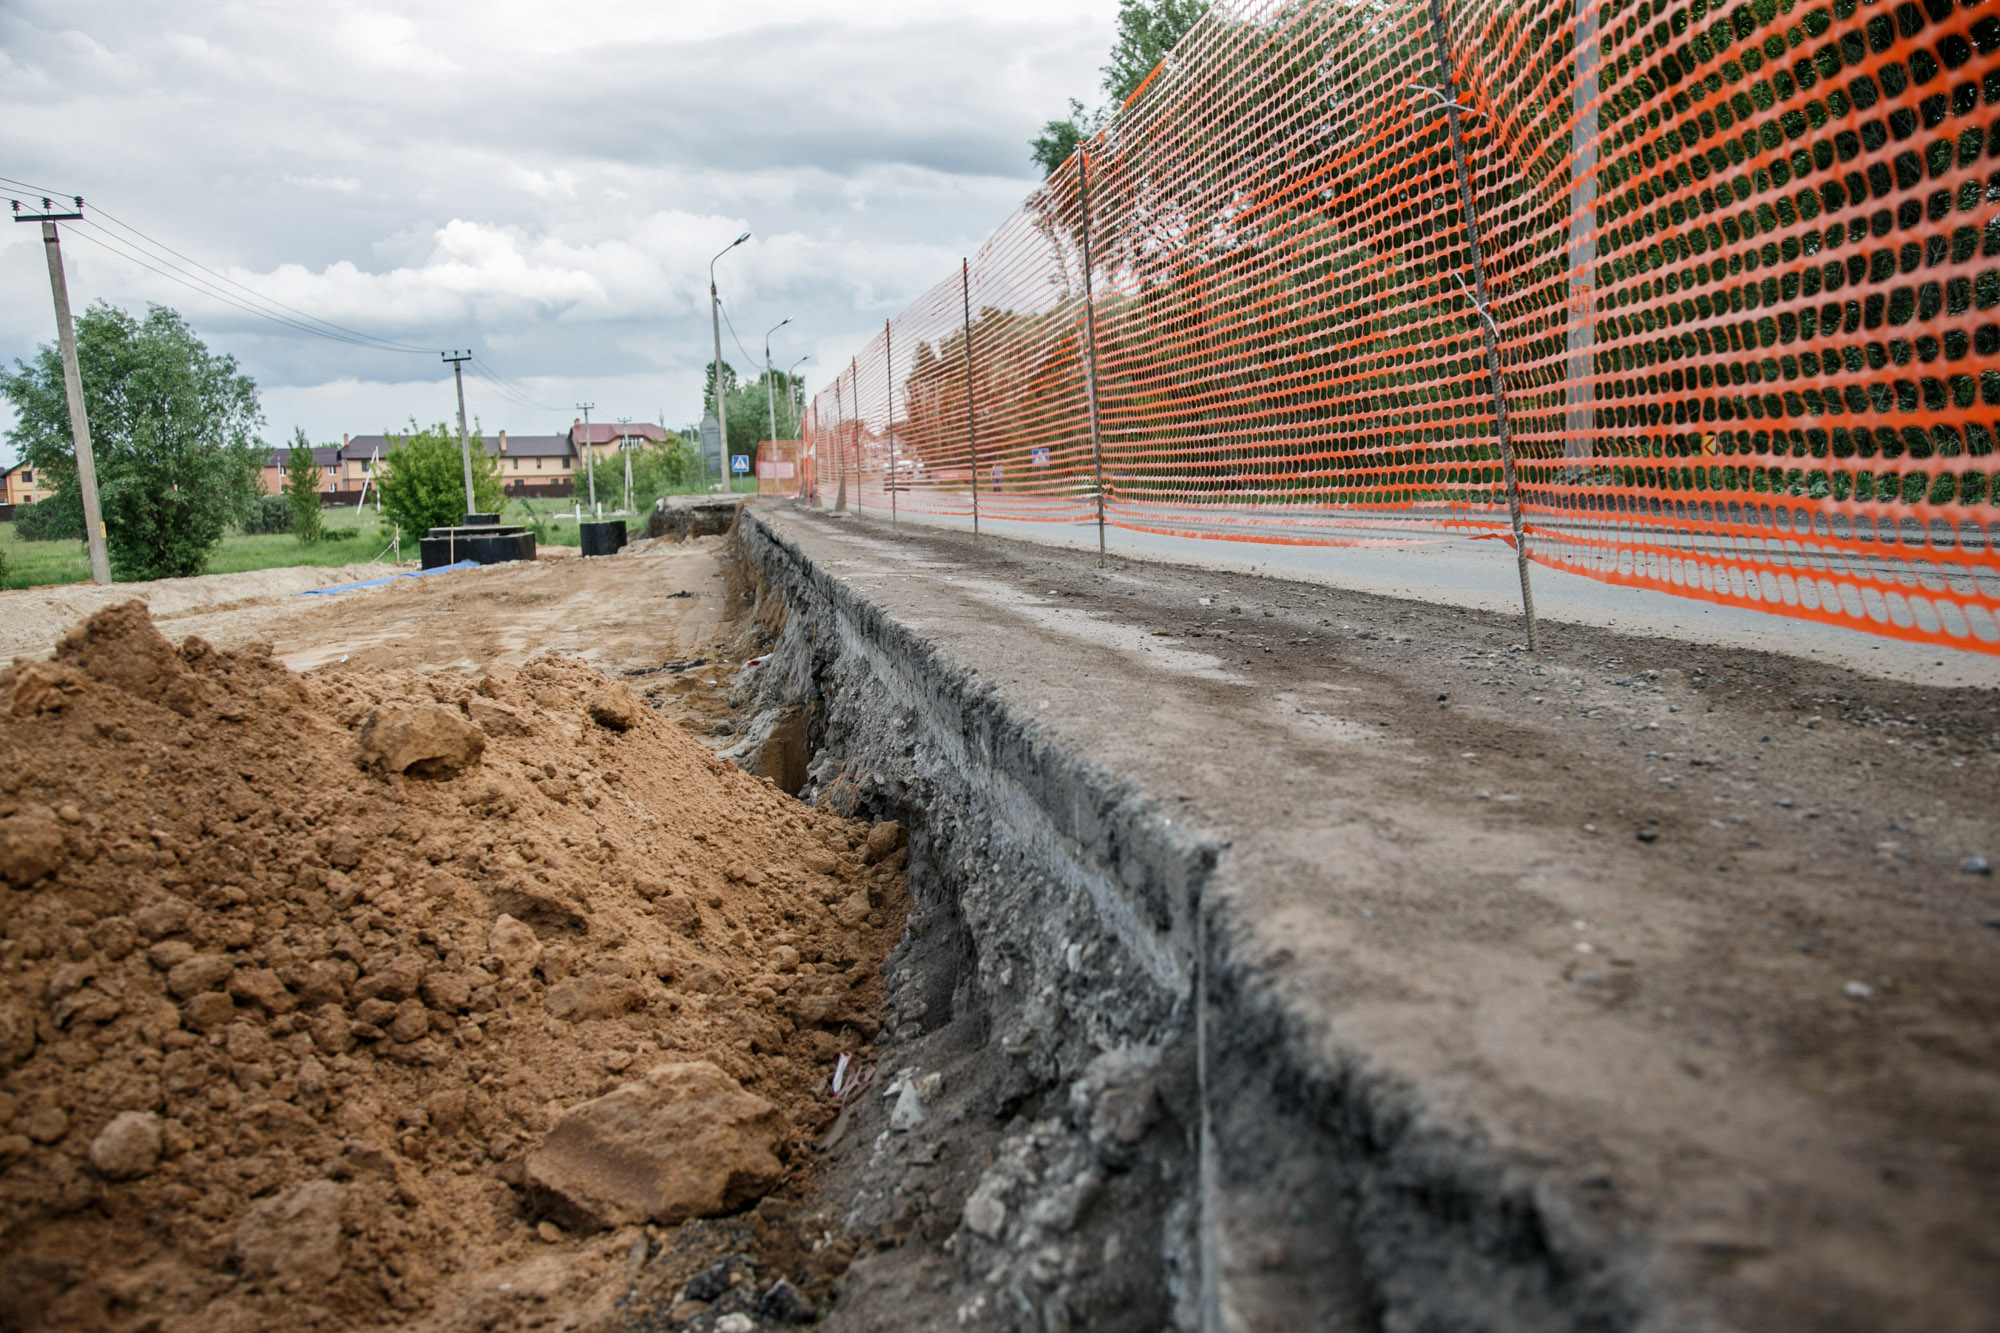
[173, 428]
[1059, 138]
[422, 479]
[750, 408]
[1147, 30]
[302, 479]
[672, 465]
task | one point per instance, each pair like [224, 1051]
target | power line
[158, 257]
[735, 339]
[386, 344]
[136, 247]
[98, 237]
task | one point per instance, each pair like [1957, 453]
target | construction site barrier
[1684, 296]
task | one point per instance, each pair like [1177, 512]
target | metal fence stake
[971, 422]
[1090, 348]
[889, 379]
[1488, 329]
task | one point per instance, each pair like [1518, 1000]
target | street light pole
[770, 389]
[800, 460]
[715, 328]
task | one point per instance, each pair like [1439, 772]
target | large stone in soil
[426, 740]
[687, 1141]
[30, 847]
[293, 1235]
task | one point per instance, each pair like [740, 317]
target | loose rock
[425, 741]
[686, 1142]
[128, 1147]
[293, 1235]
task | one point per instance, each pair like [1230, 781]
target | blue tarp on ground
[376, 583]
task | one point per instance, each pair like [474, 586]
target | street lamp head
[739, 240]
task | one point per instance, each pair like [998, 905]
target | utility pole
[589, 457]
[79, 419]
[715, 328]
[458, 360]
[770, 389]
[625, 447]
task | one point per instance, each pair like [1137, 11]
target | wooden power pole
[79, 420]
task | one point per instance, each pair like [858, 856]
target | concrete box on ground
[486, 545]
[602, 537]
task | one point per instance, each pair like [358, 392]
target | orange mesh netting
[1735, 268]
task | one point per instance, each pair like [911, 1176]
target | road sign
[1039, 457]
[739, 462]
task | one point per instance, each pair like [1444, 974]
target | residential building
[327, 458]
[606, 438]
[22, 488]
[541, 465]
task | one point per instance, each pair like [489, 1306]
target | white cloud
[338, 184]
[545, 185]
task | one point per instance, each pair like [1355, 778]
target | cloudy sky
[543, 183]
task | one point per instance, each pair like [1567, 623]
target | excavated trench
[1091, 1115]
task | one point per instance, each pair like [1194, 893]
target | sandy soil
[283, 1023]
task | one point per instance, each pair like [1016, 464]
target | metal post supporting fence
[971, 423]
[854, 383]
[1090, 347]
[1483, 308]
[839, 450]
[889, 378]
[1580, 436]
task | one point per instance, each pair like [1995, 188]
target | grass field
[352, 539]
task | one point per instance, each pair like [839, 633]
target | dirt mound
[296, 973]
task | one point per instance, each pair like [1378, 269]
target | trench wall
[1092, 938]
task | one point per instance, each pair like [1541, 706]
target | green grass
[36, 564]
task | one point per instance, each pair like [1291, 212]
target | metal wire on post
[1490, 331]
[1090, 348]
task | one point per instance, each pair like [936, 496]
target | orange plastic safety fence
[1735, 267]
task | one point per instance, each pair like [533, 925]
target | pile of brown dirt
[296, 974]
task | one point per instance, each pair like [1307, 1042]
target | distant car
[903, 473]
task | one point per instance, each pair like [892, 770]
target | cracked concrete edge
[1372, 1207]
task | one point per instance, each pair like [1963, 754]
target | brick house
[21, 488]
[536, 465]
[272, 475]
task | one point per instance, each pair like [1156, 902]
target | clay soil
[307, 986]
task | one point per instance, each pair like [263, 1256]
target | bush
[174, 428]
[302, 479]
[672, 465]
[422, 480]
[271, 514]
[48, 522]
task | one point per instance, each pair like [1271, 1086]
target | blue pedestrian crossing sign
[739, 462]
